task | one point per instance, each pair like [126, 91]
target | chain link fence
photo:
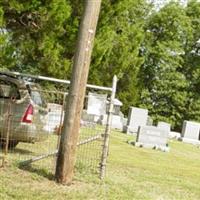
[31, 121]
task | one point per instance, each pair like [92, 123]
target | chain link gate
[43, 113]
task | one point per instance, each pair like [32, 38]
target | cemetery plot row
[157, 136]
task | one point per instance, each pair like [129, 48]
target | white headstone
[152, 137]
[164, 126]
[191, 132]
[117, 121]
[54, 118]
[87, 117]
[136, 117]
[96, 104]
[117, 104]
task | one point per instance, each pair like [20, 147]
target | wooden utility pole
[70, 132]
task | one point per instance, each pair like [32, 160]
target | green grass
[132, 173]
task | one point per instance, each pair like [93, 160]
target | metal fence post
[7, 134]
[107, 130]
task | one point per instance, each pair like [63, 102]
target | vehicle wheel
[11, 145]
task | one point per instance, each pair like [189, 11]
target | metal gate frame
[105, 149]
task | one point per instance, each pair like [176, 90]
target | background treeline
[155, 53]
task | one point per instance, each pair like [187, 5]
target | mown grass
[132, 173]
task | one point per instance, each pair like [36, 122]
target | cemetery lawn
[132, 173]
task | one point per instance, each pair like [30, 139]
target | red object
[28, 116]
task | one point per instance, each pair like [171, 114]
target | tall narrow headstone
[191, 132]
[136, 117]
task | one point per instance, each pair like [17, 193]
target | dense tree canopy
[191, 66]
[37, 32]
[117, 47]
[165, 85]
[154, 53]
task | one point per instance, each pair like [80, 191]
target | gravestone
[136, 117]
[125, 121]
[117, 121]
[152, 137]
[164, 126]
[167, 127]
[96, 105]
[117, 116]
[117, 107]
[87, 117]
[55, 117]
[191, 132]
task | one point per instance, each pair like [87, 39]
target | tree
[165, 86]
[154, 53]
[37, 31]
[43, 34]
[117, 47]
[6, 49]
[191, 64]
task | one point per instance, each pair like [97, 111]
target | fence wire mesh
[31, 121]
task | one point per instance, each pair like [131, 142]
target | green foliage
[37, 32]
[6, 49]
[117, 47]
[165, 86]
[192, 63]
[155, 54]
[1, 16]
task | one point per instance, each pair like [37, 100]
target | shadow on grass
[20, 151]
[16, 150]
[39, 171]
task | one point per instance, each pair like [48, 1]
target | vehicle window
[36, 96]
[8, 90]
